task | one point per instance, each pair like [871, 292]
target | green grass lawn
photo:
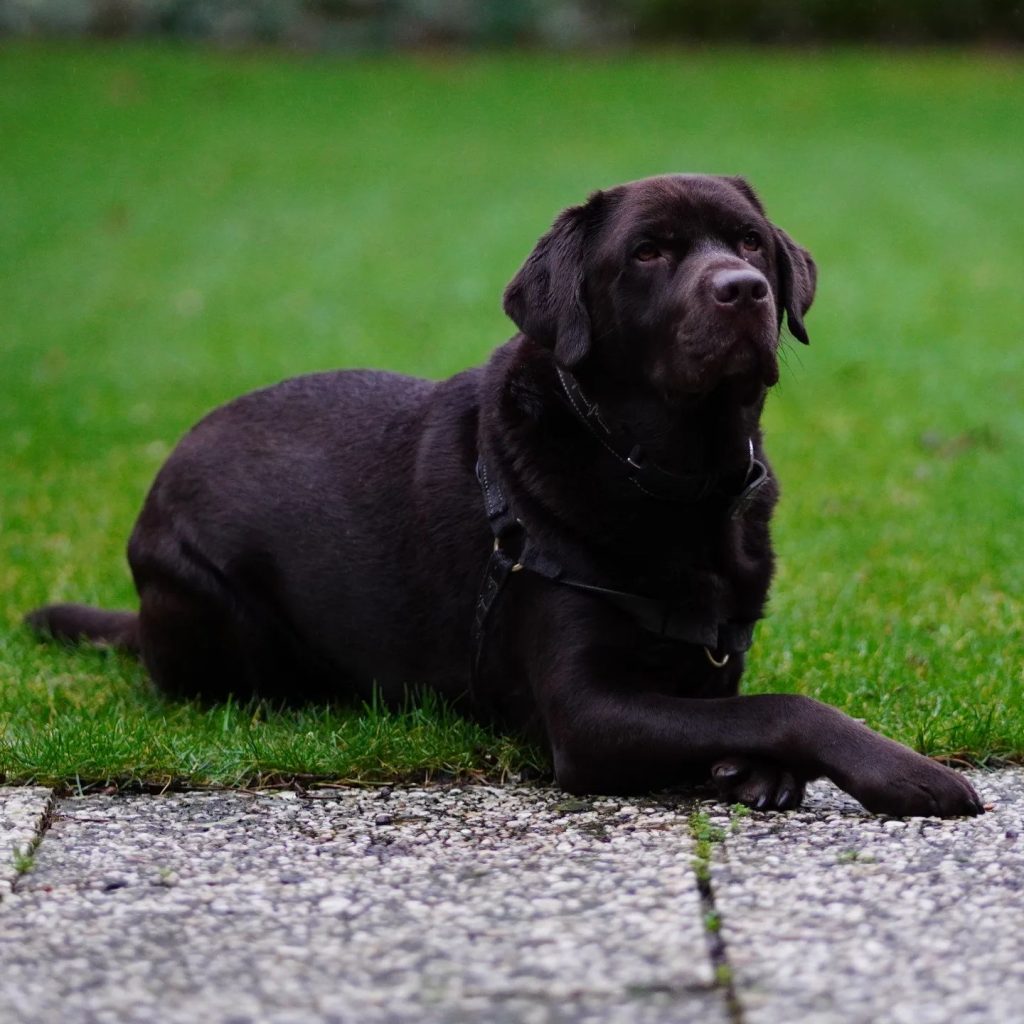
[178, 227]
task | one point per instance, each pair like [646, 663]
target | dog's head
[679, 280]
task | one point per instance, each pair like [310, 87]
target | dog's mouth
[754, 357]
[744, 358]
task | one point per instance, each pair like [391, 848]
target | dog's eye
[646, 251]
[751, 241]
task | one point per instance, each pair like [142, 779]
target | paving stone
[22, 811]
[461, 905]
[831, 915]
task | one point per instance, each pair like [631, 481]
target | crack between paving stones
[718, 953]
[705, 836]
[43, 824]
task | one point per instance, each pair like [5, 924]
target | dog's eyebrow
[660, 229]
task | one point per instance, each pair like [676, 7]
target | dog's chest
[709, 568]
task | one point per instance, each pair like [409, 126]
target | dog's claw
[761, 784]
[726, 770]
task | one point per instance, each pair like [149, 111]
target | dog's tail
[78, 623]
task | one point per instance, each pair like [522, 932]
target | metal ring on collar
[715, 661]
[519, 565]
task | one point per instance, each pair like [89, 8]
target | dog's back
[285, 545]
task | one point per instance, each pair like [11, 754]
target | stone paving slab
[831, 916]
[507, 905]
[22, 812]
[460, 905]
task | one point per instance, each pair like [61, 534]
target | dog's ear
[746, 190]
[798, 274]
[798, 278]
[545, 299]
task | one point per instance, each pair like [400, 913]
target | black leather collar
[642, 471]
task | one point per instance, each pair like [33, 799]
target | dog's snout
[739, 288]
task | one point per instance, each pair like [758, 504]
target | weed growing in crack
[723, 976]
[706, 835]
[23, 860]
[736, 813]
[854, 857]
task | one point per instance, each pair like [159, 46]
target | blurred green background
[179, 224]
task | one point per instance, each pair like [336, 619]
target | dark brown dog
[574, 535]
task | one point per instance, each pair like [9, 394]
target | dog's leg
[207, 643]
[613, 736]
[614, 728]
[190, 645]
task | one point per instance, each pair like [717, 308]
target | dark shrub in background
[385, 24]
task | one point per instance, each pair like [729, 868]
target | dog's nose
[739, 288]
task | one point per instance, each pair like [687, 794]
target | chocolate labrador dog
[575, 535]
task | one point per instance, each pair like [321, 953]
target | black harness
[513, 550]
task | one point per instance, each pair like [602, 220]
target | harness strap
[655, 615]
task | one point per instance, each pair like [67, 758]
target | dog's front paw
[758, 783]
[910, 785]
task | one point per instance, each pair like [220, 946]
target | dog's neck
[704, 434]
[530, 434]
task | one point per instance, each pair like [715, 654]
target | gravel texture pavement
[472, 904]
[834, 916]
[480, 904]
[22, 816]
